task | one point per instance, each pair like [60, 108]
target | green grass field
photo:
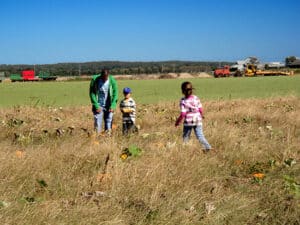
[148, 91]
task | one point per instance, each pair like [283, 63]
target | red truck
[29, 75]
[222, 72]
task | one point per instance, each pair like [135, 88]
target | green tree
[290, 59]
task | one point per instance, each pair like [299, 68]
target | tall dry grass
[55, 171]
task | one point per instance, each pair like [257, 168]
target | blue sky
[53, 31]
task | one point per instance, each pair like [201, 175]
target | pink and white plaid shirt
[191, 111]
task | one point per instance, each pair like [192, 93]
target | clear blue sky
[53, 31]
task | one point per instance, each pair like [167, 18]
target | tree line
[116, 67]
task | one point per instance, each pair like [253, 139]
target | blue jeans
[98, 117]
[187, 130]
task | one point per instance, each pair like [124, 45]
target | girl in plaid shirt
[192, 114]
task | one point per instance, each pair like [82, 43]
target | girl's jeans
[199, 134]
[98, 117]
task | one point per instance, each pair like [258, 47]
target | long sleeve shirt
[112, 92]
[190, 111]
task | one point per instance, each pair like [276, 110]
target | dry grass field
[55, 171]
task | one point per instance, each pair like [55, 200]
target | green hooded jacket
[112, 92]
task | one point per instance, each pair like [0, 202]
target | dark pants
[129, 127]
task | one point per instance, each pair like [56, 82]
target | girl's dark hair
[187, 88]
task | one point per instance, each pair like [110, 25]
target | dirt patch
[185, 75]
[143, 76]
[203, 75]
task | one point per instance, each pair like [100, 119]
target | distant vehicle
[236, 70]
[26, 75]
[252, 70]
[222, 72]
[251, 67]
[46, 76]
[15, 77]
[29, 75]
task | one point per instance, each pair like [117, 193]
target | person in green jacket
[104, 98]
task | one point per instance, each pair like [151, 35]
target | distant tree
[290, 59]
[117, 67]
[267, 66]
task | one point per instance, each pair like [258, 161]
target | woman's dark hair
[187, 88]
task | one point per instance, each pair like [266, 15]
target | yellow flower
[20, 153]
[114, 126]
[124, 156]
[259, 175]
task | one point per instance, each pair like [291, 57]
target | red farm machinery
[222, 72]
[29, 75]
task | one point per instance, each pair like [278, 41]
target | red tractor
[222, 72]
